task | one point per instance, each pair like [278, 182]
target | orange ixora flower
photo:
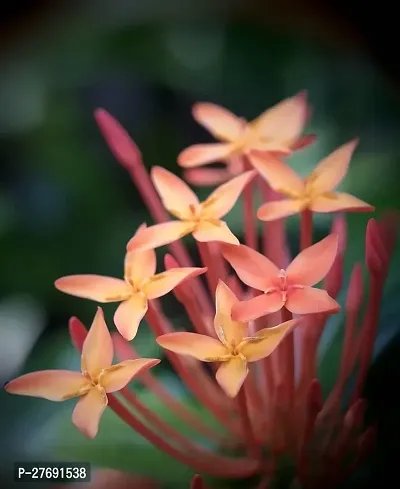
[202, 219]
[290, 288]
[140, 284]
[97, 379]
[232, 348]
[315, 193]
[278, 129]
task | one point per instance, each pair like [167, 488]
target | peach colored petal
[164, 282]
[128, 315]
[94, 287]
[97, 350]
[203, 177]
[222, 200]
[312, 264]
[202, 154]
[54, 385]
[279, 175]
[177, 197]
[118, 376]
[88, 411]
[267, 340]
[140, 266]
[285, 121]
[310, 301]
[270, 211]
[159, 235]
[332, 169]
[231, 375]
[257, 307]
[228, 331]
[253, 268]
[219, 121]
[339, 201]
[214, 231]
[195, 345]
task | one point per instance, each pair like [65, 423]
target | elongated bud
[379, 244]
[120, 143]
[197, 483]
[78, 332]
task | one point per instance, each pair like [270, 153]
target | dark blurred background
[67, 207]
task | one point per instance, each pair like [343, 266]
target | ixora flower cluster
[259, 323]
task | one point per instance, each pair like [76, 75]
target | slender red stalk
[197, 483]
[208, 260]
[125, 351]
[287, 359]
[249, 219]
[252, 446]
[306, 229]
[214, 464]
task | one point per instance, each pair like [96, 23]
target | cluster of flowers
[261, 316]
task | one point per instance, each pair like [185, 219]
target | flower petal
[88, 411]
[285, 121]
[332, 169]
[54, 385]
[231, 375]
[94, 287]
[203, 177]
[202, 154]
[279, 175]
[228, 331]
[214, 231]
[128, 315]
[310, 301]
[312, 264]
[267, 340]
[270, 211]
[159, 235]
[140, 265]
[222, 200]
[339, 201]
[97, 350]
[195, 345]
[219, 121]
[164, 282]
[303, 142]
[118, 376]
[253, 268]
[177, 197]
[257, 307]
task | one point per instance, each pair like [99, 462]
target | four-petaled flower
[276, 130]
[140, 284]
[97, 379]
[202, 219]
[232, 348]
[290, 288]
[315, 193]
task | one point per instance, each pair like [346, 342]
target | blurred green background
[67, 207]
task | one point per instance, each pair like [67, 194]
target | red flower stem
[199, 460]
[195, 378]
[253, 447]
[368, 333]
[306, 229]
[208, 261]
[275, 245]
[249, 219]
[287, 363]
[155, 421]
[125, 351]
